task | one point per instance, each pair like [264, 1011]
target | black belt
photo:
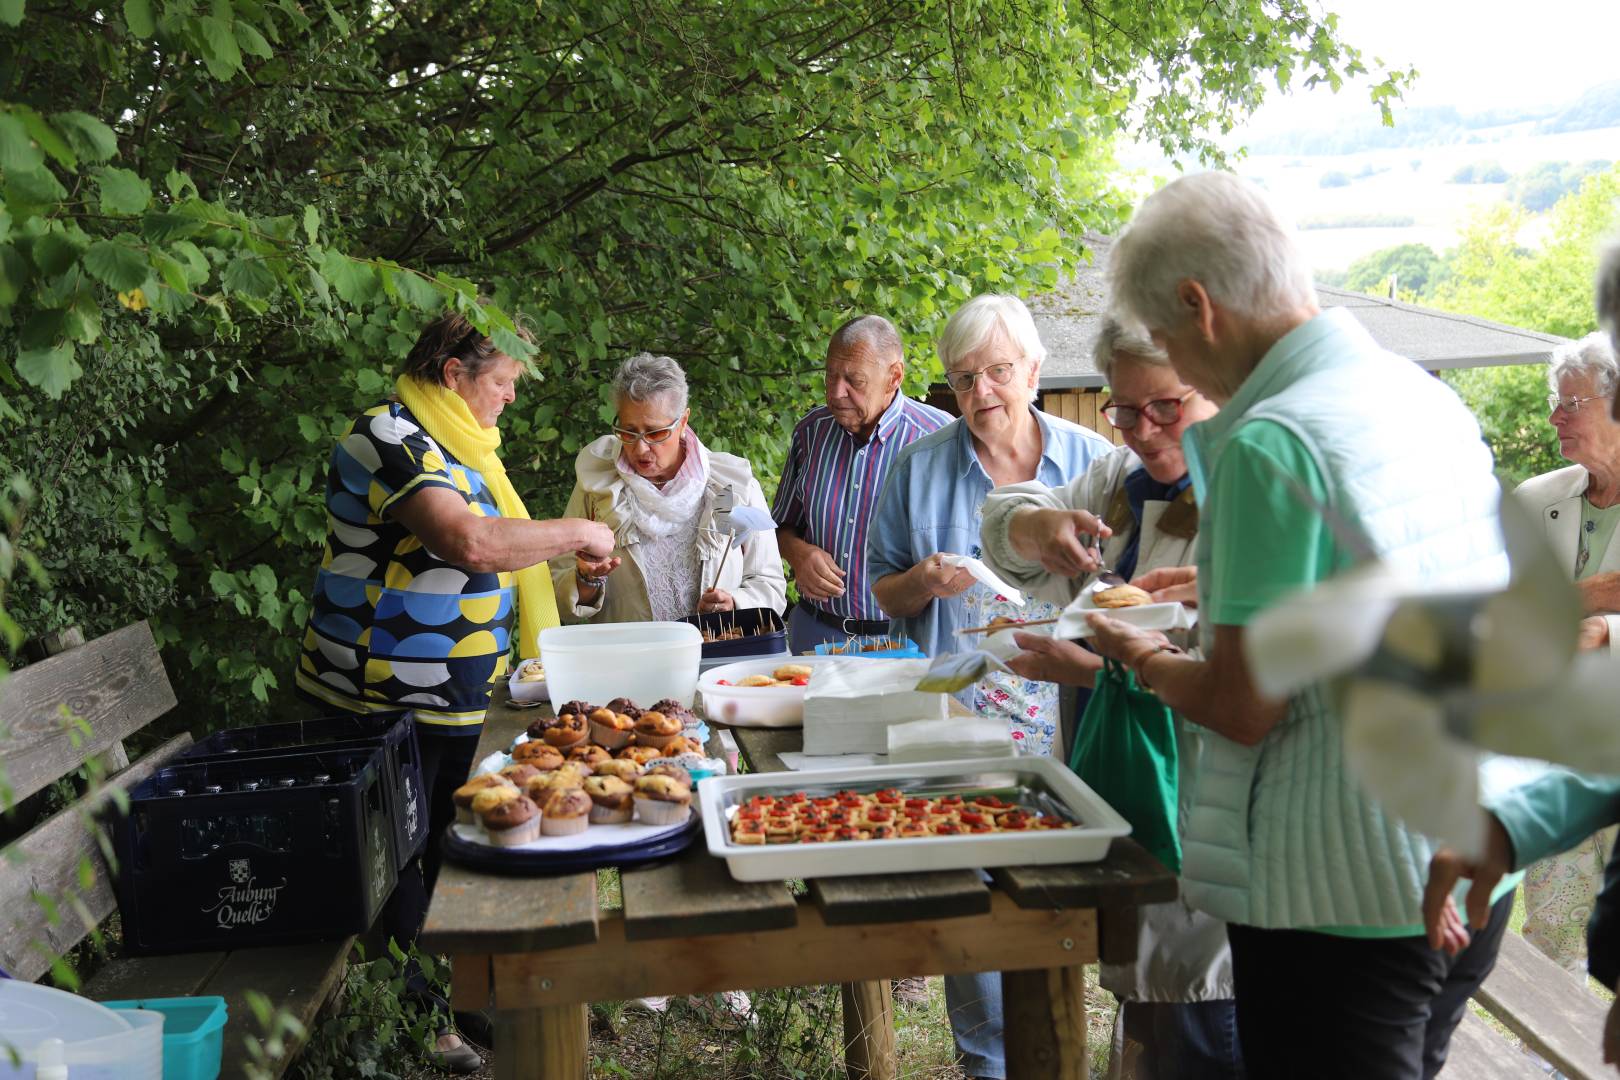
[852, 627]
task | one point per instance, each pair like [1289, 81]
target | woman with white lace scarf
[658, 488]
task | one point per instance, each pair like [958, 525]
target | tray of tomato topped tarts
[943, 815]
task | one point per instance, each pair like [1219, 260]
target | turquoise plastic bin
[193, 1034]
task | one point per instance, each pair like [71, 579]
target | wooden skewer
[722, 568]
[1007, 626]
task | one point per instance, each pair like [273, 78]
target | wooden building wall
[1080, 406]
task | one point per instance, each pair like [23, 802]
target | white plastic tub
[100, 1043]
[642, 661]
[756, 706]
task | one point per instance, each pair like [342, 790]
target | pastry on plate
[788, 672]
[520, 774]
[623, 768]
[1121, 596]
[671, 770]
[657, 730]
[463, 796]
[611, 800]
[590, 755]
[662, 800]
[492, 796]
[639, 754]
[568, 731]
[610, 728]
[531, 671]
[541, 755]
[514, 822]
[566, 812]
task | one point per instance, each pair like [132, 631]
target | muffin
[623, 768]
[511, 823]
[568, 731]
[492, 796]
[611, 800]
[673, 771]
[623, 705]
[657, 730]
[520, 774]
[463, 797]
[662, 800]
[670, 707]
[565, 812]
[589, 754]
[639, 754]
[609, 728]
[1121, 596]
[682, 744]
[537, 754]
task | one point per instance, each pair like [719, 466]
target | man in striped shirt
[835, 470]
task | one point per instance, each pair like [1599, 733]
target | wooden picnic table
[538, 950]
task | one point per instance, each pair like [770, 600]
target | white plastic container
[756, 706]
[98, 1043]
[642, 661]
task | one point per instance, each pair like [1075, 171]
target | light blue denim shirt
[931, 503]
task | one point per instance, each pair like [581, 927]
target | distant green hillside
[1444, 125]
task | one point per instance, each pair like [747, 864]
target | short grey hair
[1219, 230]
[1592, 356]
[1608, 292]
[1121, 337]
[875, 332]
[645, 377]
[973, 324]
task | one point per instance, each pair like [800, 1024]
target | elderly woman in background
[658, 488]
[1579, 507]
[1321, 890]
[1176, 998]
[929, 507]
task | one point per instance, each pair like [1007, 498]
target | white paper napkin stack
[950, 740]
[852, 702]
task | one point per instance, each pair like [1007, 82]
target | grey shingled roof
[1068, 319]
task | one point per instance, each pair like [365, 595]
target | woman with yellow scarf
[429, 555]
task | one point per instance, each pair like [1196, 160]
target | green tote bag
[1125, 749]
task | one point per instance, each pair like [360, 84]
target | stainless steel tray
[1034, 782]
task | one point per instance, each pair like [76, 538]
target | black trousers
[446, 761]
[1322, 1006]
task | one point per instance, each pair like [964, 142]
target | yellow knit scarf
[447, 418]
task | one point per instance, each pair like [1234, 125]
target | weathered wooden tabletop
[542, 945]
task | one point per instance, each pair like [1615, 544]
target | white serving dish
[596, 837]
[526, 691]
[642, 661]
[1099, 823]
[756, 706]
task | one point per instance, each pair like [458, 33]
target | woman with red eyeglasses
[1176, 997]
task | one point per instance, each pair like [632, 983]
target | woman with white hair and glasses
[655, 484]
[930, 506]
[1578, 507]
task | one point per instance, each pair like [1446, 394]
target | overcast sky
[1476, 55]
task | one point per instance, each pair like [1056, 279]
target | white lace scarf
[658, 512]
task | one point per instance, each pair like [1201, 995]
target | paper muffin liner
[603, 815]
[657, 742]
[529, 830]
[660, 812]
[563, 826]
[607, 736]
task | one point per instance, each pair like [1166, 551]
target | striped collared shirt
[831, 482]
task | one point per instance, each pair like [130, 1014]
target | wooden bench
[56, 715]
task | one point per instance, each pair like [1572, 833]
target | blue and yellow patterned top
[393, 625]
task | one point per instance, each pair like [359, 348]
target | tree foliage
[223, 224]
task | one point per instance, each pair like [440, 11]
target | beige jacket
[1181, 954]
[752, 574]
[1554, 499]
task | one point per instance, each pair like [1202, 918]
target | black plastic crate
[394, 731]
[763, 632]
[260, 850]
